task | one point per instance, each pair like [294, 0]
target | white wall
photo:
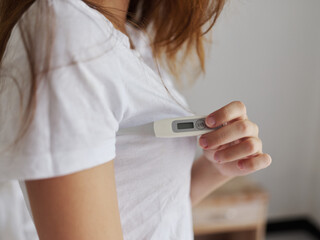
[315, 181]
[264, 53]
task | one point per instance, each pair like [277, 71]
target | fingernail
[240, 164]
[211, 121]
[203, 142]
[217, 157]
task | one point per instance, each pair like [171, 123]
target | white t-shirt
[97, 85]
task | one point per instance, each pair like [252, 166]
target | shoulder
[71, 17]
[69, 29]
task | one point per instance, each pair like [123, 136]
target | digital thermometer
[171, 127]
[182, 127]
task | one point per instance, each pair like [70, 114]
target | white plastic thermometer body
[182, 127]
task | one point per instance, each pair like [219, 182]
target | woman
[75, 72]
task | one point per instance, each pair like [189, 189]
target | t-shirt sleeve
[78, 110]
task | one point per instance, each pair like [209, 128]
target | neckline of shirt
[124, 39]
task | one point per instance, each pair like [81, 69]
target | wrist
[205, 178]
[215, 170]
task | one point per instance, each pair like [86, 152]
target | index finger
[235, 110]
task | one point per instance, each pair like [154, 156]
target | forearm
[205, 178]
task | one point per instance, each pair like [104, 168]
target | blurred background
[267, 55]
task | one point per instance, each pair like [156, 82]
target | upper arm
[81, 206]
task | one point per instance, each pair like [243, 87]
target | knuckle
[224, 113]
[259, 143]
[256, 128]
[255, 164]
[241, 105]
[251, 145]
[243, 126]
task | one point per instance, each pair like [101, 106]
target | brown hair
[177, 29]
[179, 25]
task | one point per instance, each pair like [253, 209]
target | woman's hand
[234, 149]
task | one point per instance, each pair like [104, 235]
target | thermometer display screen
[185, 125]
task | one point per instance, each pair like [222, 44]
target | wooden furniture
[235, 211]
